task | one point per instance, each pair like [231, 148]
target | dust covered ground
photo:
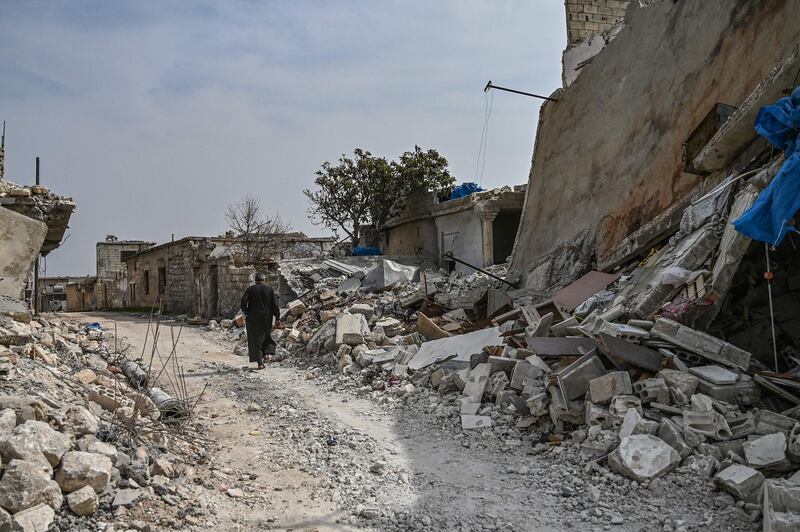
[300, 448]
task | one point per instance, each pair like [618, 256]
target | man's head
[261, 278]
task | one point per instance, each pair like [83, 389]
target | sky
[156, 115]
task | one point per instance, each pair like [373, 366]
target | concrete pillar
[487, 217]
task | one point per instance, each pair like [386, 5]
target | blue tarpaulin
[464, 190]
[362, 251]
[769, 219]
[94, 326]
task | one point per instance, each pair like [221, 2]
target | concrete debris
[741, 481]
[643, 457]
[604, 388]
[715, 374]
[766, 452]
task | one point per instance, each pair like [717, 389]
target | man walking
[260, 306]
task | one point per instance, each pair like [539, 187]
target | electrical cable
[487, 111]
[486, 139]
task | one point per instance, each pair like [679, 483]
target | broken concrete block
[84, 501]
[701, 343]
[715, 374]
[629, 333]
[468, 407]
[459, 347]
[669, 432]
[391, 326]
[351, 329]
[701, 403]
[596, 415]
[744, 392]
[602, 389]
[767, 422]
[505, 365]
[741, 481]
[362, 308]
[524, 370]
[25, 485]
[622, 403]
[79, 469]
[638, 355]
[574, 379]
[654, 389]
[561, 409]
[710, 424]
[537, 404]
[643, 457]
[781, 506]
[475, 422]
[633, 423]
[477, 382]
[680, 383]
[766, 451]
[296, 307]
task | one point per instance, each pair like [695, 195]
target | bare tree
[262, 237]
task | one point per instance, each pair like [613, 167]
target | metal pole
[490, 86]
[36, 267]
[449, 255]
[768, 275]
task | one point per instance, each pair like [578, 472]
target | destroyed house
[644, 182]
[206, 276]
[478, 229]
[111, 282]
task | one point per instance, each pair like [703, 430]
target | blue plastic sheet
[362, 251]
[464, 190]
[94, 326]
[770, 217]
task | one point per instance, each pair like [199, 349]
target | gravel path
[302, 449]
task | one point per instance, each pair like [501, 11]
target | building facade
[478, 229]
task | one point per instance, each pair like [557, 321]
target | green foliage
[364, 190]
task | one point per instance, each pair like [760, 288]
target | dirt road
[306, 458]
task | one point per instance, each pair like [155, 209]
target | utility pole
[36, 268]
[3, 152]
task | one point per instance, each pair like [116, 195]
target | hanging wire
[768, 276]
[480, 164]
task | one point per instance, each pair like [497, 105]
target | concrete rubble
[637, 395]
[67, 462]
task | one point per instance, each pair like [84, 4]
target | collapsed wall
[611, 148]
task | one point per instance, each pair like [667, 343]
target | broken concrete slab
[653, 389]
[768, 422]
[670, 433]
[634, 423]
[582, 289]
[622, 403]
[561, 346]
[602, 389]
[475, 422]
[540, 328]
[635, 354]
[351, 329]
[456, 347]
[21, 239]
[681, 385]
[781, 505]
[741, 481]
[701, 344]
[477, 382]
[744, 392]
[643, 457]
[524, 370]
[766, 451]
[715, 374]
[574, 379]
[362, 308]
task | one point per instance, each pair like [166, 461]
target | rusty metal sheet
[638, 355]
[582, 289]
[546, 346]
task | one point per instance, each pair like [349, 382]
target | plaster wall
[21, 239]
[604, 166]
[417, 237]
[462, 234]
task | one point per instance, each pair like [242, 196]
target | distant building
[111, 280]
[206, 276]
[479, 229]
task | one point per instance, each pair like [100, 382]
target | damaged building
[33, 221]
[478, 228]
[206, 276]
[642, 172]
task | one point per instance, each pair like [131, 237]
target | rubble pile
[39, 203]
[607, 365]
[82, 447]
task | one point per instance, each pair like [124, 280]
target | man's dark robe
[259, 306]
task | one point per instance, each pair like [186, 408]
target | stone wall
[601, 172]
[109, 256]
